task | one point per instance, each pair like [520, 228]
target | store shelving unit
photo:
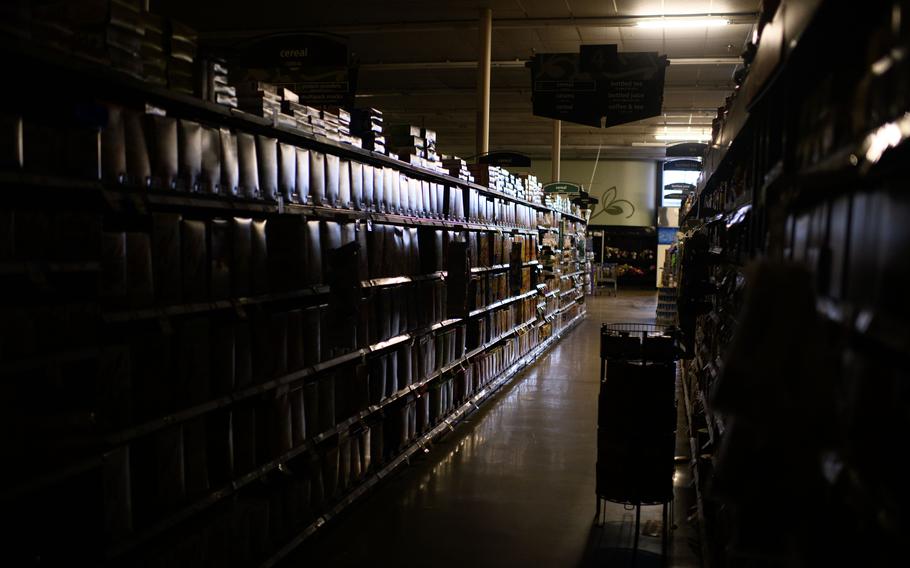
[804, 185]
[250, 416]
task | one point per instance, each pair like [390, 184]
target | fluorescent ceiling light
[670, 23]
[683, 135]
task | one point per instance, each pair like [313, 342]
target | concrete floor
[514, 484]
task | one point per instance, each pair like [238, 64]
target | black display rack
[636, 424]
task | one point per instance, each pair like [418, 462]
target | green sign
[561, 187]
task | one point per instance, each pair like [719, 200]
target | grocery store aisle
[511, 486]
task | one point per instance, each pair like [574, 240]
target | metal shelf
[570, 275]
[141, 199]
[445, 425]
[90, 78]
[16, 268]
[122, 316]
[70, 65]
[502, 303]
[130, 543]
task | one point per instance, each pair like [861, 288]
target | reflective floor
[514, 484]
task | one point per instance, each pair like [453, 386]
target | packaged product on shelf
[220, 239]
[243, 355]
[382, 182]
[330, 471]
[377, 379]
[344, 184]
[312, 336]
[208, 179]
[152, 48]
[302, 176]
[220, 447]
[317, 178]
[391, 373]
[196, 458]
[170, 469]
[259, 274]
[194, 260]
[330, 239]
[288, 253]
[261, 99]
[399, 197]
[287, 172]
[344, 461]
[298, 415]
[332, 179]
[248, 166]
[230, 163]
[189, 155]
[181, 41]
[161, 142]
[357, 179]
[395, 311]
[113, 144]
[360, 388]
[311, 403]
[326, 403]
[240, 256]
[118, 507]
[369, 176]
[414, 205]
[412, 418]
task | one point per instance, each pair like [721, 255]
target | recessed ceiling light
[670, 23]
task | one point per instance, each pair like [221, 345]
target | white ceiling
[423, 31]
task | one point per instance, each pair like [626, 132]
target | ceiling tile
[561, 46]
[681, 73]
[589, 8]
[685, 47]
[544, 8]
[599, 34]
[735, 32]
[641, 45]
[715, 73]
[633, 33]
[558, 33]
[515, 43]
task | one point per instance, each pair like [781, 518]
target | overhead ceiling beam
[519, 63]
[709, 87]
[498, 24]
[522, 110]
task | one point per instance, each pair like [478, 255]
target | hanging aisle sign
[316, 66]
[561, 187]
[679, 186]
[598, 87]
[686, 150]
[683, 166]
[506, 159]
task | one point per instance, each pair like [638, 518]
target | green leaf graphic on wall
[612, 205]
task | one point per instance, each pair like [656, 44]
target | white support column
[482, 145]
[556, 151]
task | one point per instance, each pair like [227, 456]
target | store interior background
[418, 67]
[797, 226]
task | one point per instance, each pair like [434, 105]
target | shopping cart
[636, 419]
